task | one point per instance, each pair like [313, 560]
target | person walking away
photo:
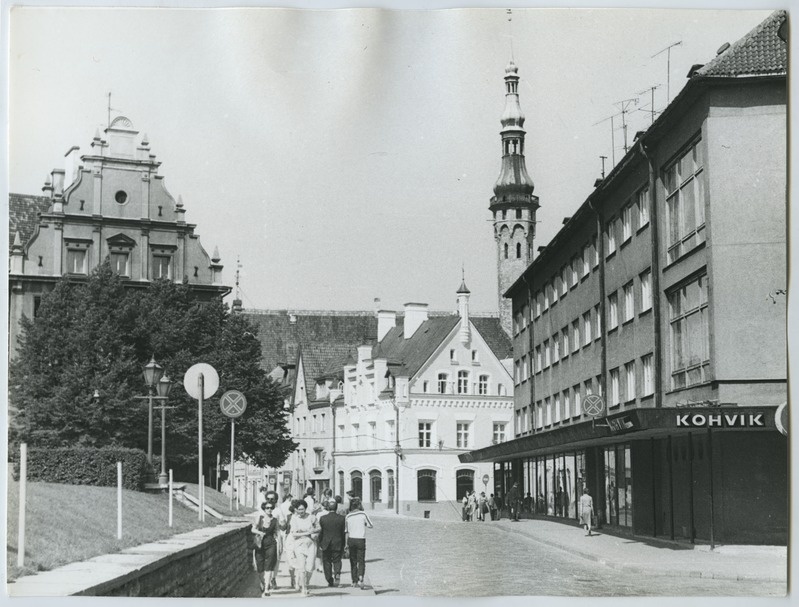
[331, 542]
[471, 506]
[492, 507]
[465, 502]
[265, 552]
[513, 501]
[304, 530]
[357, 522]
[482, 507]
[499, 504]
[586, 510]
[340, 507]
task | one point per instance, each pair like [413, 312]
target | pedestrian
[288, 543]
[586, 510]
[471, 506]
[304, 531]
[499, 504]
[465, 502]
[340, 507]
[492, 507]
[513, 502]
[482, 506]
[265, 552]
[528, 502]
[285, 507]
[357, 522]
[331, 542]
[282, 524]
[310, 500]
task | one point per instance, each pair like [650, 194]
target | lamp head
[164, 386]
[152, 373]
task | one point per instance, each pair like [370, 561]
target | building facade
[665, 295]
[110, 203]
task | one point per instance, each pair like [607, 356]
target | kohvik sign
[720, 420]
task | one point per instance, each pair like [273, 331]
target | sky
[349, 155]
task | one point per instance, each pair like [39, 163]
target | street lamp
[164, 388]
[158, 388]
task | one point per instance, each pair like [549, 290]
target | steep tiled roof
[23, 215]
[496, 338]
[319, 358]
[414, 352]
[760, 52]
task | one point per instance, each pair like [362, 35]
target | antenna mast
[238, 267]
[667, 50]
[612, 136]
[603, 159]
[651, 91]
[510, 31]
[623, 105]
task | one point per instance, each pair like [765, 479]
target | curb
[636, 568]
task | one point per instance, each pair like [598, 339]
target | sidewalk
[657, 557]
[317, 587]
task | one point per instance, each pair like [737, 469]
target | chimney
[58, 182]
[71, 164]
[364, 352]
[415, 315]
[386, 320]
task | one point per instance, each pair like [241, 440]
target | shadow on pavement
[386, 590]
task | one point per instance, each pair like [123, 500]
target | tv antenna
[651, 91]
[509, 12]
[623, 106]
[612, 136]
[667, 50]
[238, 267]
[603, 159]
[109, 109]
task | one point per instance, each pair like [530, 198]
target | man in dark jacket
[331, 542]
[513, 501]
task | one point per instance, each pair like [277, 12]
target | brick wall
[211, 568]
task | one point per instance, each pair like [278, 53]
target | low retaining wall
[207, 562]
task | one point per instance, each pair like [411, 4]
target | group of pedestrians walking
[309, 534]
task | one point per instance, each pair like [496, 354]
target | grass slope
[218, 501]
[69, 523]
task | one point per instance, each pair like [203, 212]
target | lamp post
[158, 388]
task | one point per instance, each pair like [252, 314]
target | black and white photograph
[370, 302]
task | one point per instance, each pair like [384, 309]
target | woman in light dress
[304, 531]
[586, 510]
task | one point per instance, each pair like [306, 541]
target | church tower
[513, 205]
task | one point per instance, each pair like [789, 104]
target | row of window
[620, 229]
[461, 384]
[453, 356]
[463, 434]
[77, 262]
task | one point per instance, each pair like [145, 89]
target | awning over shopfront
[632, 425]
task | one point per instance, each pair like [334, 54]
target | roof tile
[23, 215]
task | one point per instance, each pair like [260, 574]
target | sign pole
[201, 389]
[23, 490]
[232, 460]
[170, 497]
[119, 500]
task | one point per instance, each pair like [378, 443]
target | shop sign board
[720, 420]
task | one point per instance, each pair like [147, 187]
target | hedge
[88, 466]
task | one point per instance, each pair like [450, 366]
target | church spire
[513, 204]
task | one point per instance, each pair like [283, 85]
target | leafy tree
[98, 334]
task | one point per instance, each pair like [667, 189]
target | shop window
[464, 482]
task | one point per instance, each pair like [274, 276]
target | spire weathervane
[238, 267]
[510, 31]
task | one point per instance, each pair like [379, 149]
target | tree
[98, 334]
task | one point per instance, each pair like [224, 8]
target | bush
[88, 466]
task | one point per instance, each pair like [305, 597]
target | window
[629, 381]
[626, 223]
[537, 359]
[372, 435]
[538, 298]
[548, 407]
[578, 403]
[517, 372]
[555, 348]
[586, 260]
[518, 213]
[525, 419]
[522, 320]
[611, 238]
[587, 328]
[463, 382]
[452, 355]
[646, 290]
[499, 433]
[391, 435]
[685, 207]
[565, 333]
[566, 405]
[476, 356]
[442, 383]
[517, 422]
[557, 408]
[425, 385]
[162, 266]
[646, 372]
[596, 252]
[615, 398]
[613, 311]
[356, 436]
[588, 387]
[575, 272]
[313, 424]
[482, 385]
[539, 409]
[506, 249]
[564, 277]
[690, 342]
[462, 435]
[599, 385]
[546, 354]
[643, 208]
[546, 298]
[119, 263]
[575, 336]
[518, 250]
[425, 434]
[598, 318]
[76, 261]
[426, 485]
[319, 457]
[629, 301]
[554, 290]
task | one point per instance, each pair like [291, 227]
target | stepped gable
[761, 52]
[23, 215]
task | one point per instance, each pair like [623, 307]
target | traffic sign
[593, 405]
[485, 479]
[210, 380]
[233, 403]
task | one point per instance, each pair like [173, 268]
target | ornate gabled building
[109, 203]
[513, 205]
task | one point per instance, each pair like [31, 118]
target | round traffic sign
[485, 479]
[233, 403]
[593, 405]
[781, 418]
[210, 380]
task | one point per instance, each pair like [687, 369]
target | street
[407, 556]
